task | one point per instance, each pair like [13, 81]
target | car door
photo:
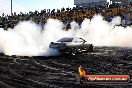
[79, 44]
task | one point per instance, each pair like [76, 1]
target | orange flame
[81, 71]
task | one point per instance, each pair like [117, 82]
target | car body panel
[71, 45]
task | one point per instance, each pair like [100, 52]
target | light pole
[11, 7]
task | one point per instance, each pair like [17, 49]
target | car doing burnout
[71, 46]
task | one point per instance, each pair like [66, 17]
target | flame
[81, 71]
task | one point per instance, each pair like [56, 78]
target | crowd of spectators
[66, 15]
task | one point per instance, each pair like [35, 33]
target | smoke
[102, 33]
[28, 39]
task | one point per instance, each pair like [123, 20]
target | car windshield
[65, 40]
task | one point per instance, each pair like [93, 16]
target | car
[71, 45]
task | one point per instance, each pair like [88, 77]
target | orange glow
[81, 71]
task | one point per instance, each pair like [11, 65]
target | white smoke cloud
[28, 39]
[102, 33]
[24, 39]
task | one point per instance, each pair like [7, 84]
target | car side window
[77, 40]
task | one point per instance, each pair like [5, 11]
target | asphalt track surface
[60, 72]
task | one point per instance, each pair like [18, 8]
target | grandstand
[89, 3]
[67, 15]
